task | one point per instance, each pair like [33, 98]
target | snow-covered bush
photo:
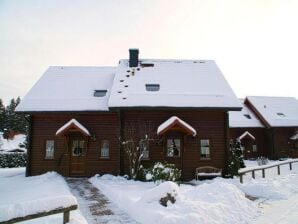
[235, 160]
[13, 159]
[161, 172]
[164, 193]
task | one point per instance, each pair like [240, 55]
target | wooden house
[279, 115]
[78, 115]
[246, 127]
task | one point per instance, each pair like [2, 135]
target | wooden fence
[264, 167]
[65, 212]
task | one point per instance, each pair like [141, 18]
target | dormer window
[100, 93]
[247, 116]
[281, 114]
[146, 64]
[152, 87]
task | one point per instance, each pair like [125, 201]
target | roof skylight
[247, 116]
[100, 93]
[281, 114]
[152, 87]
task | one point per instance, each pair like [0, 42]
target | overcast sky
[255, 43]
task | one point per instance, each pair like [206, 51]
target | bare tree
[136, 141]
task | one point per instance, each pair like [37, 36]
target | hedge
[13, 159]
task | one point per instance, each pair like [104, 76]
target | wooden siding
[101, 125]
[283, 146]
[208, 124]
[261, 141]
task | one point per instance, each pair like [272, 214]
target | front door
[78, 154]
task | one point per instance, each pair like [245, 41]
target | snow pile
[155, 194]
[22, 196]
[215, 202]
[273, 188]
[8, 145]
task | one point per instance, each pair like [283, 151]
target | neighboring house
[248, 129]
[78, 115]
[14, 144]
[280, 118]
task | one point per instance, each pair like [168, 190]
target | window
[173, 147]
[247, 116]
[105, 149]
[78, 147]
[100, 93]
[281, 114]
[50, 149]
[254, 148]
[152, 87]
[145, 151]
[205, 149]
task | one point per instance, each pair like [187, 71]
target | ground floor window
[254, 148]
[50, 146]
[205, 149]
[105, 149]
[173, 147]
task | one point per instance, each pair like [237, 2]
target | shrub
[234, 161]
[161, 172]
[13, 159]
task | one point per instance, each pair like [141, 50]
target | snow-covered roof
[244, 118]
[246, 134]
[13, 145]
[179, 83]
[276, 111]
[73, 123]
[173, 121]
[295, 136]
[69, 89]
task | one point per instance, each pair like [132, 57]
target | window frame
[102, 148]
[209, 148]
[45, 147]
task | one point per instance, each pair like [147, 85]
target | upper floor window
[205, 149]
[100, 93]
[50, 147]
[105, 149]
[173, 147]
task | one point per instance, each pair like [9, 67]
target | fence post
[278, 169]
[253, 174]
[241, 178]
[290, 166]
[263, 173]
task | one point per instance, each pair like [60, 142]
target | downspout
[120, 136]
[29, 144]
[226, 135]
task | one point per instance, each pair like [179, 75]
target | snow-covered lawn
[20, 196]
[213, 201]
[216, 202]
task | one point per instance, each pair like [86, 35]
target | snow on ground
[211, 201]
[217, 202]
[7, 145]
[22, 195]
